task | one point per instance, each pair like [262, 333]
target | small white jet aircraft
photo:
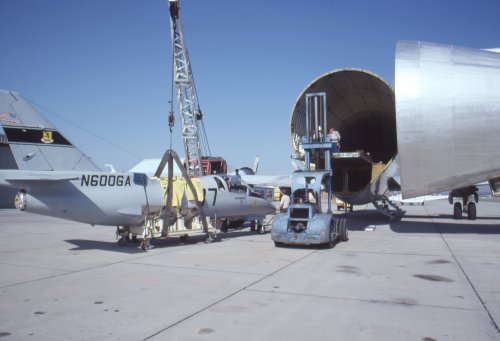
[55, 178]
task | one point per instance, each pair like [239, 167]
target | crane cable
[203, 138]
[171, 117]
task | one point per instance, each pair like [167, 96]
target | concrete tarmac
[425, 277]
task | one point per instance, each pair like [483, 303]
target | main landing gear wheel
[260, 228]
[256, 225]
[457, 211]
[471, 211]
[224, 226]
[469, 198]
[210, 237]
[123, 241]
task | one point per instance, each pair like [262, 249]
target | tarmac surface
[425, 277]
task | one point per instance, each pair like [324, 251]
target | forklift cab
[309, 187]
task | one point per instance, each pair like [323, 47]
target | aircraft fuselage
[119, 199]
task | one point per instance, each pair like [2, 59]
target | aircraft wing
[268, 180]
[447, 115]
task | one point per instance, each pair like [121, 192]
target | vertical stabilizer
[34, 142]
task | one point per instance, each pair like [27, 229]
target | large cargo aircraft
[438, 131]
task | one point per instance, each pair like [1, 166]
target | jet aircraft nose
[265, 207]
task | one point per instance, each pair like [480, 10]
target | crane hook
[171, 120]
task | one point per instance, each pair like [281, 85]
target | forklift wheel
[457, 211]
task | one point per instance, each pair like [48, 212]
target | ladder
[383, 205]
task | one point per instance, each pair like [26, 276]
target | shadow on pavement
[362, 219]
[161, 243]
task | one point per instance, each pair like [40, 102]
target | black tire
[457, 211]
[122, 241]
[279, 244]
[260, 228]
[252, 225]
[184, 238]
[224, 228]
[235, 224]
[332, 237]
[210, 237]
[471, 211]
[344, 234]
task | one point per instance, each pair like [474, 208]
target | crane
[189, 109]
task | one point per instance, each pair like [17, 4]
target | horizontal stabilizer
[9, 177]
[149, 167]
[267, 180]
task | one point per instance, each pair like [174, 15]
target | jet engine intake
[20, 200]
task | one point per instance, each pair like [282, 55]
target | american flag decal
[9, 117]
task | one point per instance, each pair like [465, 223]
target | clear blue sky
[105, 65]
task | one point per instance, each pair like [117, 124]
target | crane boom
[184, 83]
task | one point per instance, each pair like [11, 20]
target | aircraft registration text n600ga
[104, 180]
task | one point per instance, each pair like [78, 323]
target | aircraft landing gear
[224, 227]
[210, 237]
[469, 198]
[471, 211]
[122, 234]
[123, 241]
[256, 225]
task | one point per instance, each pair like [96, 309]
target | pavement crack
[372, 301]
[483, 303]
[195, 268]
[34, 267]
[230, 295]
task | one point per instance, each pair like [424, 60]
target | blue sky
[105, 65]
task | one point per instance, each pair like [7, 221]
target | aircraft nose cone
[266, 206]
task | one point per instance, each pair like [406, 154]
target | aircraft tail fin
[30, 142]
[256, 164]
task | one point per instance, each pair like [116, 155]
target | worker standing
[237, 178]
[284, 202]
[335, 138]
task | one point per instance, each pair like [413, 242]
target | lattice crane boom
[184, 83]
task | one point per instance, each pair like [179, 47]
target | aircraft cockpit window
[255, 194]
[220, 185]
[239, 188]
